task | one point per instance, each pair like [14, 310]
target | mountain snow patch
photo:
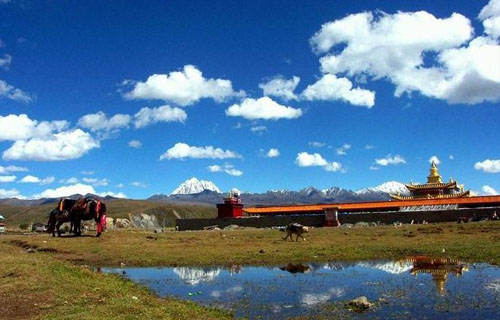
[194, 185]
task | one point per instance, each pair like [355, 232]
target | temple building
[435, 188]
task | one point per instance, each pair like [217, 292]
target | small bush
[24, 226]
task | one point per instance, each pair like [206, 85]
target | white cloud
[280, 87]
[47, 180]
[182, 150]
[390, 160]
[490, 166]
[490, 15]
[369, 147]
[316, 144]
[34, 179]
[451, 157]
[72, 180]
[21, 127]
[233, 172]
[5, 61]
[434, 159]
[87, 173]
[138, 184]
[30, 179]
[60, 146]
[6, 179]
[215, 168]
[120, 185]
[227, 168]
[334, 166]
[8, 169]
[112, 194]
[96, 182]
[134, 144]
[374, 168]
[262, 108]
[65, 191]
[12, 93]
[273, 153]
[331, 88]
[259, 130]
[100, 122]
[305, 159]
[343, 149]
[184, 87]
[394, 46]
[12, 193]
[489, 191]
[147, 116]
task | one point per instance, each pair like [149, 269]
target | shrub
[24, 226]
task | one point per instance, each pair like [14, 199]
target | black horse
[60, 215]
[88, 209]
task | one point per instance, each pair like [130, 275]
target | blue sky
[207, 91]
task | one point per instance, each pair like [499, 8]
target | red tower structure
[231, 208]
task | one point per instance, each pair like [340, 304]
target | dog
[297, 229]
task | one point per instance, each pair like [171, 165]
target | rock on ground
[361, 303]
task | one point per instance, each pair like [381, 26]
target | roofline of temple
[458, 195]
[431, 185]
[366, 206]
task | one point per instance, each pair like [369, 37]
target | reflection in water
[295, 268]
[322, 289]
[194, 275]
[313, 299]
[438, 268]
[493, 285]
[393, 267]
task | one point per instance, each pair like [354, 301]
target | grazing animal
[60, 215]
[297, 229]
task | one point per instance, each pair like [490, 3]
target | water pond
[413, 288]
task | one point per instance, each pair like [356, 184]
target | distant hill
[117, 208]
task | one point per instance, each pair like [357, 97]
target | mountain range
[194, 191]
[189, 191]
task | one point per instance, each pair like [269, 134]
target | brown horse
[88, 209]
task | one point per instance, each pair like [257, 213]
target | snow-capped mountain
[194, 185]
[390, 187]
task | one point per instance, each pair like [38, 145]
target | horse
[60, 215]
[88, 209]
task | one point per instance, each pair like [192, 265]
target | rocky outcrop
[144, 221]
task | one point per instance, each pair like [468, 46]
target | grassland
[49, 276]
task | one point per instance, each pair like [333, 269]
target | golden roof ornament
[434, 176]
